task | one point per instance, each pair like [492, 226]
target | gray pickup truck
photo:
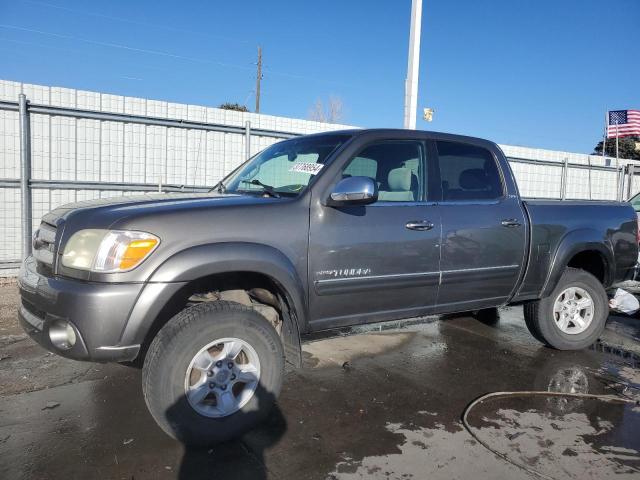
[213, 293]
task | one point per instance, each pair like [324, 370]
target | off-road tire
[538, 315]
[171, 352]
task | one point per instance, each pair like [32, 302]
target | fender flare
[570, 245]
[204, 260]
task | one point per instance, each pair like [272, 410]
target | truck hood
[124, 206]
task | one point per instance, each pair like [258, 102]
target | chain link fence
[574, 181]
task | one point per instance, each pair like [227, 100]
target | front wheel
[212, 372]
[573, 316]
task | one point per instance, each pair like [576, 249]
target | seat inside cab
[402, 184]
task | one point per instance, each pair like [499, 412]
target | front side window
[397, 168]
[468, 172]
[285, 168]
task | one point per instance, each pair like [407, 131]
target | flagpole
[617, 143]
[606, 133]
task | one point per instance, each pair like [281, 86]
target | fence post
[630, 172]
[25, 174]
[620, 184]
[247, 140]
[563, 185]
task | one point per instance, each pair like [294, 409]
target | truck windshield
[285, 168]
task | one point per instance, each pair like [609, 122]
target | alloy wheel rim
[222, 377]
[573, 310]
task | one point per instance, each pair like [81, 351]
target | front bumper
[98, 311]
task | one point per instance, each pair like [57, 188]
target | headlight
[108, 250]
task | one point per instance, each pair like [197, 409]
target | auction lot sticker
[312, 168]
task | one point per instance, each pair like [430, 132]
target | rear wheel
[212, 372]
[573, 316]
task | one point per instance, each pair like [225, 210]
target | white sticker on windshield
[312, 168]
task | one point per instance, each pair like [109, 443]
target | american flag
[623, 123]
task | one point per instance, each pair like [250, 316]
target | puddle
[339, 350]
[631, 375]
[585, 438]
[623, 379]
[616, 350]
[433, 453]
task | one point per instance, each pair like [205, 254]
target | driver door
[379, 261]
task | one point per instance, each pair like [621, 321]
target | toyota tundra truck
[213, 293]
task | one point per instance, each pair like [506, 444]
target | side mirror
[354, 191]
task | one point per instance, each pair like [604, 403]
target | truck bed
[557, 225]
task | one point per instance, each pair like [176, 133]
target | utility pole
[258, 79]
[413, 65]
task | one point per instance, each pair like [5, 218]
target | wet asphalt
[380, 404]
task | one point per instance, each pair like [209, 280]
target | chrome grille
[44, 244]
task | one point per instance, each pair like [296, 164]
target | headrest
[399, 179]
[473, 179]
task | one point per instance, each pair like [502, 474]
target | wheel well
[591, 261]
[224, 282]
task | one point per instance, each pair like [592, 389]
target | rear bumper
[98, 312]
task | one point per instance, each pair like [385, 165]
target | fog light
[62, 335]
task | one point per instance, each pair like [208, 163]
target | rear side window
[468, 172]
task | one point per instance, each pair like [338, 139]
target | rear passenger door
[483, 229]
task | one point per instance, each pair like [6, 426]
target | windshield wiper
[268, 189]
[220, 187]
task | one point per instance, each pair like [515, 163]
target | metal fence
[55, 154]
[564, 180]
[51, 155]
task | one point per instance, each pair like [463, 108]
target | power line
[77, 52]
[134, 22]
[163, 53]
[84, 55]
[125, 47]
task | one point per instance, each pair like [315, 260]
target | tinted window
[397, 168]
[468, 172]
[361, 167]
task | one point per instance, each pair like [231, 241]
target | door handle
[419, 225]
[510, 222]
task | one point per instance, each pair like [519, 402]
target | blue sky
[538, 73]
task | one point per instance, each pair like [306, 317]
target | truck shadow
[488, 316]
[239, 458]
